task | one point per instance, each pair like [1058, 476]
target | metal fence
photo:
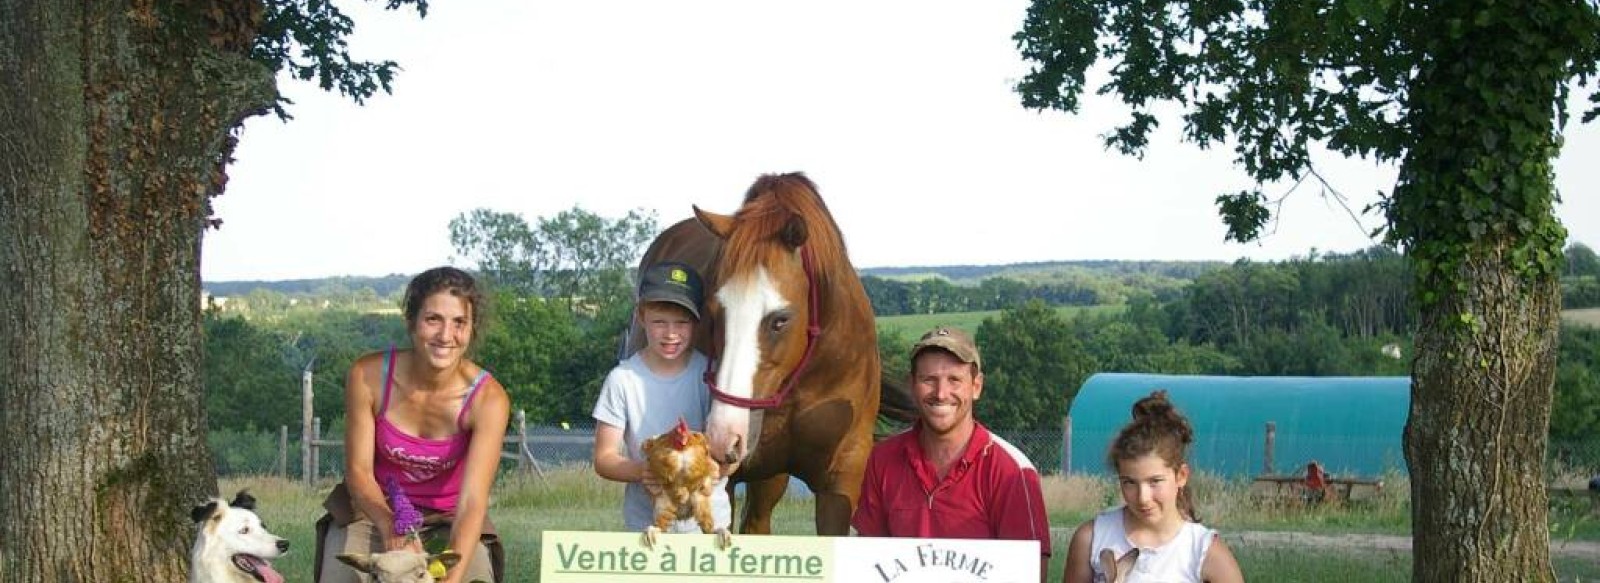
[534, 448]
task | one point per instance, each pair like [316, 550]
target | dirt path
[1262, 538]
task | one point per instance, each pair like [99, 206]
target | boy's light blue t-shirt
[645, 405]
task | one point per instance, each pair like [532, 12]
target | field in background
[573, 498]
[1582, 316]
[914, 324]
[969, 321]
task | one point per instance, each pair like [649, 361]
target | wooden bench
[1283, 486]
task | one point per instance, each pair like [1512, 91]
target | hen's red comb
[680, 434]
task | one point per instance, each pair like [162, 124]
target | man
[948, 477]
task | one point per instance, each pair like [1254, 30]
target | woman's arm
[1219, 565]
[361, 386]
[1077, 569]
[487, 421]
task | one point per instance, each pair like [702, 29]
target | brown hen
[681, 462]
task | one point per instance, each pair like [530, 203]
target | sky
[902, 112]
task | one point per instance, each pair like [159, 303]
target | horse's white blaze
[745, 303]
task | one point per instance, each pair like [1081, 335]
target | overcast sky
[901, 111]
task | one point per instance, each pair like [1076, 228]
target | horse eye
[779, 322]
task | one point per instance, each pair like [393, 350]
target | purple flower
[407, 520]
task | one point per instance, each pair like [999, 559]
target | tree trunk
[1476, 438]
[114, 127]
[1474, 205]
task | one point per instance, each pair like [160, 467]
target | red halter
[813, 329]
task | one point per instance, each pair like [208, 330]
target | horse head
[765, 299]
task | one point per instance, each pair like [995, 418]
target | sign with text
[585, 557]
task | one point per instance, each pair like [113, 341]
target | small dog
[233, 546]
[399, 566]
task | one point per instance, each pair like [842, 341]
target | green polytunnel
[1351, 425]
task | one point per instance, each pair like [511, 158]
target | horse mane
[772, 201]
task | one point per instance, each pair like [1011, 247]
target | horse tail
[894, 400]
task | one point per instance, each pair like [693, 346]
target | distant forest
[382, 286]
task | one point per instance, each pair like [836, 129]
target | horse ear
[719, 225]
[794, 232]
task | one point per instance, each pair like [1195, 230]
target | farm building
[1352, 425]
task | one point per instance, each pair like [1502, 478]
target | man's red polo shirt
[992, 492]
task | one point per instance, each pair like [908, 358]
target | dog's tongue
[258, 567]
[268, 575]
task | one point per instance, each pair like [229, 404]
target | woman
[430, 422]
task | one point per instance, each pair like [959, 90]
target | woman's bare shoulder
[368, 368]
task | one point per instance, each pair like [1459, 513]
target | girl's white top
[1177, 560]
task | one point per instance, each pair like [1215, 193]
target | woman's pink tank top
[429, 470]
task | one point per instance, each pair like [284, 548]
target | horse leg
[833, 514]
[760, 496]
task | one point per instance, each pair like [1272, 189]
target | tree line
[1319, 315]
[964, 288]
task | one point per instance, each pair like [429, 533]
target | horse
[795, 378]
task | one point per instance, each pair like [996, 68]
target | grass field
[914, 324]
[1582, 316]
[574, 499]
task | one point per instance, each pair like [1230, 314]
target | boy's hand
[648, 480]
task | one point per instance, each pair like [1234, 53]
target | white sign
[581, 557]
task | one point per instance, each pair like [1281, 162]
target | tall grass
[1582, 316]
[573, 498]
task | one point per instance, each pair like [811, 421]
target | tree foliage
[309, 39]
[575, 256]
[1032, 366]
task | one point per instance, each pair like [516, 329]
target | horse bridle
[813, 329]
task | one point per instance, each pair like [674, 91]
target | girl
[1155, 535]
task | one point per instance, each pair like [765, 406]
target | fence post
[522, 431]
[305, 424]
[1066, 444]
[316, 459]
[1272, 435]
[283, 451]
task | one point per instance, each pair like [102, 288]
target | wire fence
[254, 452]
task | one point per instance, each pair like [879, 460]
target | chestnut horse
[797, 380]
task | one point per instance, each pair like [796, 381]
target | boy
[648, 392]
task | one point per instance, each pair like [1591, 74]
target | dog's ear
[204, 511]
[244, 500]
[361, 562]
[447, 558]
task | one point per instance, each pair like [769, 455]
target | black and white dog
[233, 546]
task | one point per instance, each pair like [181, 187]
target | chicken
[681, 462]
